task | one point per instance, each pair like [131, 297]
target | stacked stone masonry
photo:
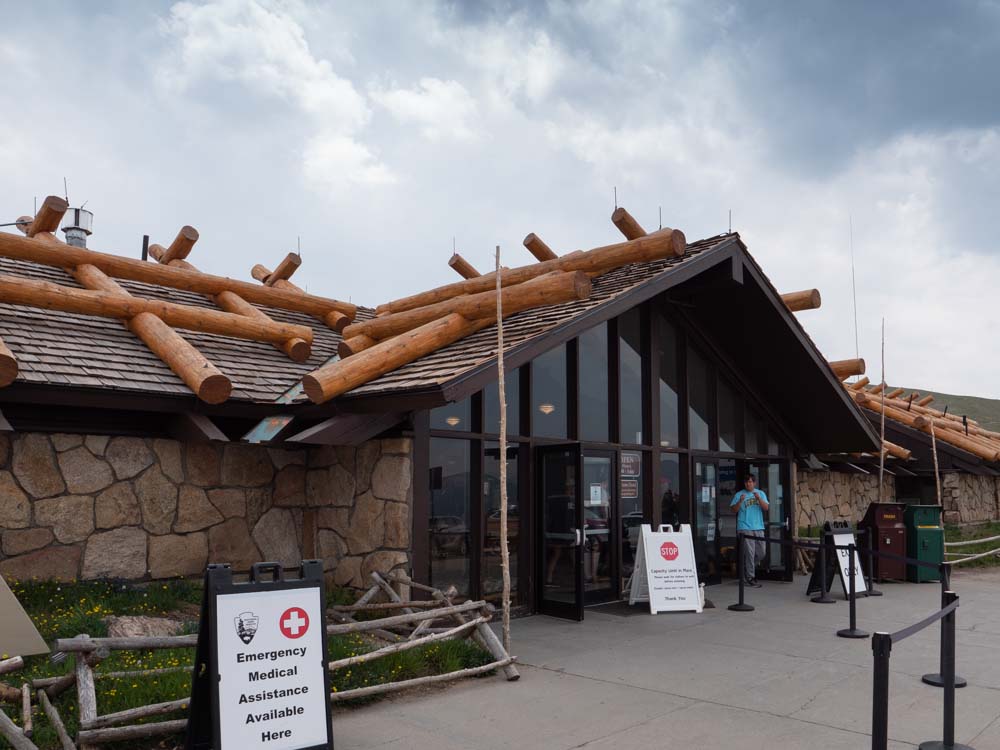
[88, 506]
[825, 495]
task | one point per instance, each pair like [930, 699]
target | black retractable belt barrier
[852, 631]
[740, 606]
[820, 572]
[882, 648]
[948, 673]
[937, 678]
[870, 554]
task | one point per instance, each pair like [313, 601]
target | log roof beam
[462, 267]
[538, 248]
[334, 319]
[8, 366]
[115, 266]
[807, 299]
[846, 368]
[627, 224]
[295, 348]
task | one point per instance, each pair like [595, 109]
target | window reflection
[549, 404]
[667, 351]
[492, 574]
[673, 508]
[699, 393]
[448, 525]
[455, 416]
[491, 404]
[594, 384]
[729, 411]
[632, 394]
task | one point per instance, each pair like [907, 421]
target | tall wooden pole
[937, 475]
[881, 451]
[504, 552]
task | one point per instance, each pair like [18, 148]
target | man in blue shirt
[751, 504]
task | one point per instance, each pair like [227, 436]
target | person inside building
[751, 504]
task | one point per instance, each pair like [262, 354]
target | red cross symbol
[294, 623]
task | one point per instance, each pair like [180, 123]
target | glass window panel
[491, 404]
[448, 525]
[492, 572]
[455, 416]
[667, 351]
[752, 429]
[699, 393]
[631, 491]
[633, 395]
[594, 384]
[673, 508]
[730, 406]
[549, 405]
[774, 446]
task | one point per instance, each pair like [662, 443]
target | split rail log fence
[401, 624]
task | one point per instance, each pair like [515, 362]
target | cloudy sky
[377, 132]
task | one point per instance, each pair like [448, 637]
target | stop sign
[669, 551]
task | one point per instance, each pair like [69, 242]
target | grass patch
[61, 610]
[978, 531]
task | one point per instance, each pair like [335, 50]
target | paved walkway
[774, 678]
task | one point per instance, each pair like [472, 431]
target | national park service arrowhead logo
[246, 626]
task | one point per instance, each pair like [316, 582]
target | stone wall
[826, 495]
[970, 499]
[364, 496]
[75, 506]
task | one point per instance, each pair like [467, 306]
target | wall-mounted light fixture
[453, 421]
[546, 409]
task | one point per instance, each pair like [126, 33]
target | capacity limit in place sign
[271, 672]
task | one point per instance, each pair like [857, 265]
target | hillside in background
[986, 411]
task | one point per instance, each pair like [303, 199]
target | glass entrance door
[562, 531]
[599, 527]
[705, 483]
[772, 477]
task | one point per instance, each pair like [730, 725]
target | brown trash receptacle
[885, 522]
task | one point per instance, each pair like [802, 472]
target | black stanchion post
[824, 596]
[741, 606]
[852, 631]
[948, 672]
[881, 649]
[870, 552]
[937, 678]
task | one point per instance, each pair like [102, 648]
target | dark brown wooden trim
[420, 513]
[195, 428]
[347, 429]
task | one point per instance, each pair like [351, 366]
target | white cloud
[260, 45]
[441, 109]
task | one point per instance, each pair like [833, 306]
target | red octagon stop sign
[669, 551]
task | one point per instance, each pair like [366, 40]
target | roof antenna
[730, 221]
[298, 246]
[661, 217]
[854, 288]
[616, 197]
[36, 206]
[65, 189]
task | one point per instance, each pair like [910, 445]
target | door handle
[579, 537]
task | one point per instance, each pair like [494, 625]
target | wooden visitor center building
[157, 418]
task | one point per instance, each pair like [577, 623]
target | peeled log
[333, 319]
[296, 349]
[462, 267]
[181, 246]
[8, 366]
[626, 224]
[925, 400]
[665, 243]
[355, 344]
[808, 299]
[340, 377]
[108, 304]
[977, 446]
[896, 450]
[200, 375]
[538, 248]
[66, 256]
[859, 385]
[845, 368]
[285, 269]
[544, 290]
[49, 215]
[895, 392]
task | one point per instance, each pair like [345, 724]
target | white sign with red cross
[271, 672]
[665, 572]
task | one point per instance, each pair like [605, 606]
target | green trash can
[924, 541]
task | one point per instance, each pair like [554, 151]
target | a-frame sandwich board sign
[260, 678]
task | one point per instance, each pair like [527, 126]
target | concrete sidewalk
[774, 678]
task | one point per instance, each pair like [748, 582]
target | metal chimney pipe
[77, 226]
